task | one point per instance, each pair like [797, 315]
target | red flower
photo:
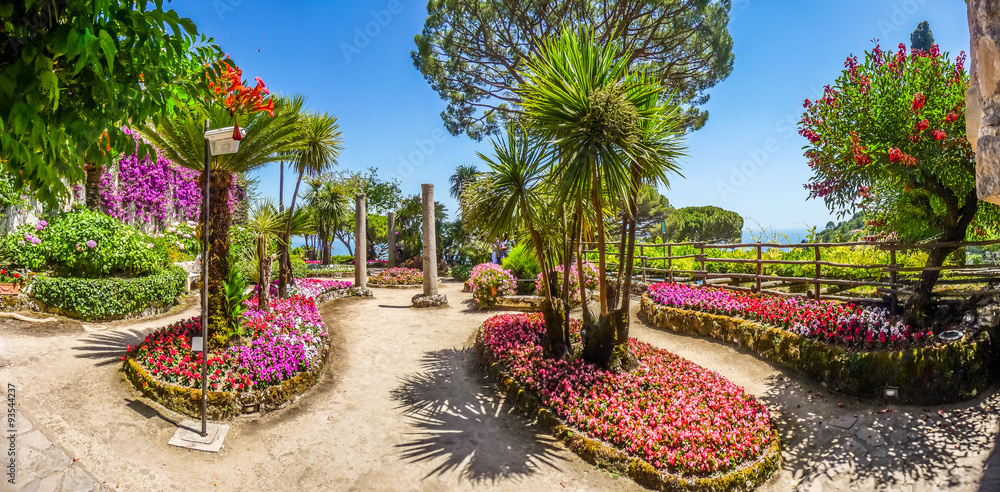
[918, 101]
[895, 155]
[17, 275]
[951, 118]
[939, 135]
[923, 125]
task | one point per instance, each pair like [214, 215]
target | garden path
[404, 407]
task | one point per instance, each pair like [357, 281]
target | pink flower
[91, 244]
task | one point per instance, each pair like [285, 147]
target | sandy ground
[402, 406]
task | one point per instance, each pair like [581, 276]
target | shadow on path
[107, 347]
[893, 447]
[459, 419]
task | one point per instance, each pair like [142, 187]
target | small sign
[197, 344]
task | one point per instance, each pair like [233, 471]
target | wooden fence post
[818, 273]
[893, 304]
[670, 262]
[642, 258]
[704, 274]
[758, 268]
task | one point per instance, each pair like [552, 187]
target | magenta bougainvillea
[153, 190]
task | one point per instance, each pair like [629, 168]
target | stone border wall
[924, 375]
[600, 453]
[225, 405]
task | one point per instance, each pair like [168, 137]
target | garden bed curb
[602, 454]
[406, 286]
[924, 375]
[226, 405]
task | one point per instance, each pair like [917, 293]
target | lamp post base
[189, 436]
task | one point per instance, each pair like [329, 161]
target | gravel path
[402, 406]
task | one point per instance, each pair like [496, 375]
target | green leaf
[108, 46]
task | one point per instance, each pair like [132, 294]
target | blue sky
[748, 157]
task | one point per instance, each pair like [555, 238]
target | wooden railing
[892, 277]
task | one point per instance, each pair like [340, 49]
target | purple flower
[39, 227]
[91, 244]
[43, 223]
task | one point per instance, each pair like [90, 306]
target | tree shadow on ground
[148, 412]
[461, 421]
[107, 347]
[911, 443]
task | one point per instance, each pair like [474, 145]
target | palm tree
[583, 97]
[464, 174]
[331, 209]
[319, 148]
[266, 223]
[510, 198]
[181, 139]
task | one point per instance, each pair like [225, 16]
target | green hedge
[461, 272]
[924, 375]
[109, 298]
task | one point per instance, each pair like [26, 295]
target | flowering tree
[888, 138]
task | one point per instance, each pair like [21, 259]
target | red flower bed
[848, 325]
[674, 414]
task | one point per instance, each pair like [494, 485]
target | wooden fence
[894, 279]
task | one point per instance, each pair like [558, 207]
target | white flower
[149, 245]
[180, 246]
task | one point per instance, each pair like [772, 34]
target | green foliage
[889, 138]
[71, 70]
[921, 38]
[461, 272]
[521, 262]
[466, 50]
[709, 224]
[851, 230]
[65, 245]
[110, 298]
[234, 289]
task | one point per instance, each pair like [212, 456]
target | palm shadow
[108, 347]
[913, 443]
[461, 421]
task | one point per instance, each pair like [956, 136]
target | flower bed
[399, 276]
[847, 325]
[928, 373]
[490, 281]
[672, 424]
[278, 359]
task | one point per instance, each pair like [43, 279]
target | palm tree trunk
[93, 186]
[554, 346]
[264, 280]
[285, 267]
[621, 265]
[219, 220]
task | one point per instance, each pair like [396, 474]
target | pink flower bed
[678, 416]
[847, 325]
[282, 343]
[397, 276]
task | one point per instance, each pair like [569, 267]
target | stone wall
[983, 97]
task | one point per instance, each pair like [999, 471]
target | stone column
[430, 242]
[982, 113]
[392, 240]
[361, 243]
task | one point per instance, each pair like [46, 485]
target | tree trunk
[285, 277]
[93, 186]
[264, 282]
[218, 254]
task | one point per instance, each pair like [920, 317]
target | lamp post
[217, 142]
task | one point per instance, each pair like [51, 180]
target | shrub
[590, 274]
[109, 298]
[461, 272]
[397, 276]
[521, 262]
[489, 281]
[84, 244]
